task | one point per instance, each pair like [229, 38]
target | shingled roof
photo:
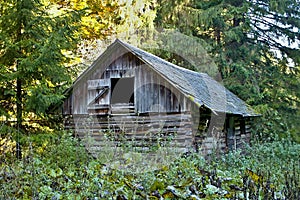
[198, 87]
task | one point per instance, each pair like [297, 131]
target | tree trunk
[19, 118]
[19, 85]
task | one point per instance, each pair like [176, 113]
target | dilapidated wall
[151, 92]
[220, 132]
[141, 131]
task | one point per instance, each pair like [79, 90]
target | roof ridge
[131, 47]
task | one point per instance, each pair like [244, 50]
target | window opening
[122, 90]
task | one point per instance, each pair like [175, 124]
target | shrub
[62, 169]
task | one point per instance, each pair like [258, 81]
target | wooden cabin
[132, 94]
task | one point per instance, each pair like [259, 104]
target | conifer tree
[34, 44]
[255, 44]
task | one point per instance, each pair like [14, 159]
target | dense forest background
[251, 46]
[254, 45]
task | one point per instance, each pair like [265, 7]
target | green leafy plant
[65, 170]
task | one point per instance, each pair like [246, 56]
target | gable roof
[198, 87]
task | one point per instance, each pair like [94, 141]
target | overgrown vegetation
[58, 167]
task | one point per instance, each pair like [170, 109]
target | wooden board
[145, 130]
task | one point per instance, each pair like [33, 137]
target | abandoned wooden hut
[139, 96]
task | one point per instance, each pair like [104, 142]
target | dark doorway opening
[122, 90]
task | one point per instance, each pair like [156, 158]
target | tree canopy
[255, 44]
[34, 52]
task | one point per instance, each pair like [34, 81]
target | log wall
[242, 133]
[220, 136]
[171, 130]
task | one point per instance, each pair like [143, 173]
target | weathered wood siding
[79, 99]
[144, 131]
[152, 93]
[95, 87]
[242, 133]
[155, 94]
[209, 131]
[219, 132]
[67, 106]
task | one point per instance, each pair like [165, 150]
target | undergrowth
[58, 167]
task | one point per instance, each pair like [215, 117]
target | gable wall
[152, 92]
